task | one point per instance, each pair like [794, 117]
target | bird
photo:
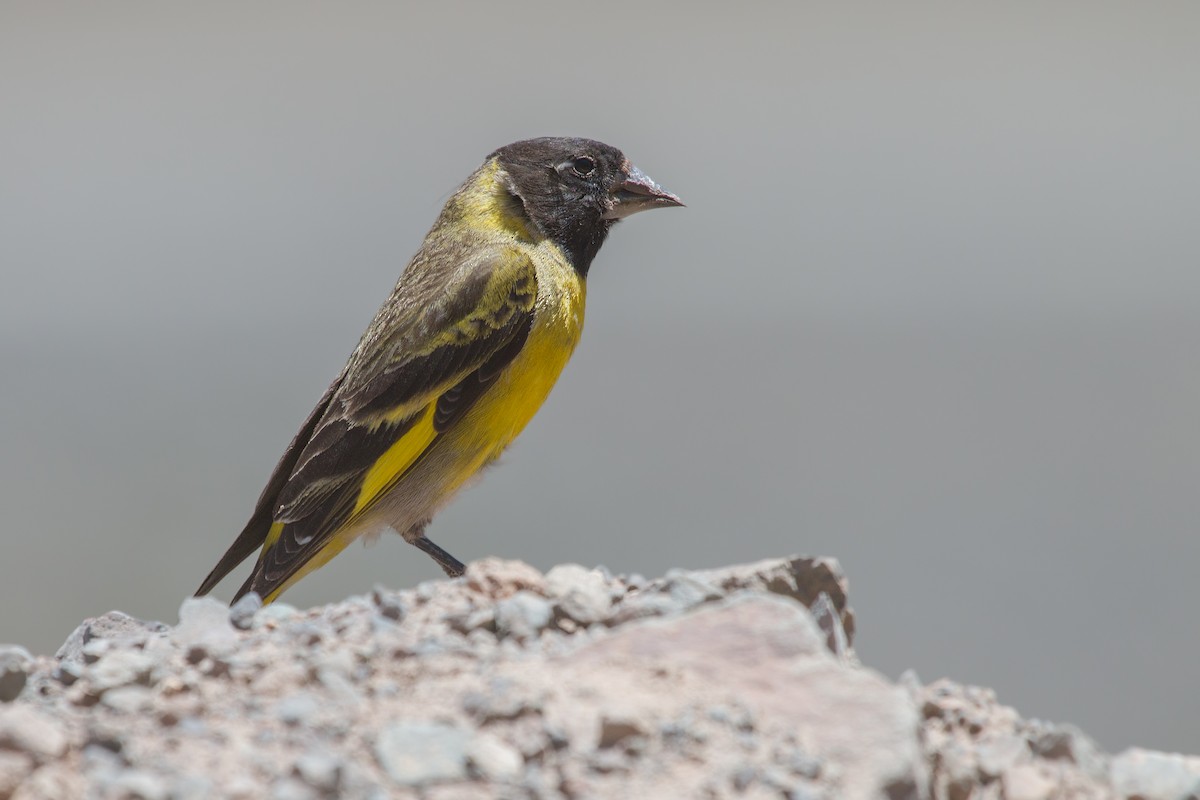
[454, 364]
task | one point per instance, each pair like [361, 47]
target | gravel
[733, 683]
[417, 753]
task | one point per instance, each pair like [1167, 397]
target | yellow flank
[395, 460]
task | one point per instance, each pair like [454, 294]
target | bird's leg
[453, 567]
[416, 537]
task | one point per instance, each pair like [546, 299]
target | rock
[768, 652]
[297, 709]
[730, 683]
[95, 650]
[137, 784]
[615, 730]
[241, 613]
[320, 771]
[115, 626]
[204, 629]
[389, 604]
[497, 578]
[15, 663]
[826, 616]
[502, 702]
[128, 699]
[1148, 775]
[274, 615]
[68, 672]
[800, 578]
[1068, 743]
[1027, 782]
[581, 594]
[642, 605]
[522, 616]
[687, 590]
[27, 730]
[418, 753]
[292, 789]
[999, 755]
[494, 759]
[121, 668]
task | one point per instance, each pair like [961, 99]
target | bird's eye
[583, 166]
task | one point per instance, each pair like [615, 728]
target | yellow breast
[519, 392]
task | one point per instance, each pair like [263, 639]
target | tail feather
[255, 533]
[250, 539]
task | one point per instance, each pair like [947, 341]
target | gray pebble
[115, 626]
[389, 604]
[204, 629]
[556, 737]
[136, 784]
[297, 709]
[743, 777]
[241, 613]
[94, 650]
[800, 763]
[15, 664]
[687, 590]
[28, 730]
[958, 764]
[103, 761]
[128, 699]
[825, 614]
[522, 615]
[806, 791]
[540, 784]
[606, 761]
[641, 605]
[494, 759]
[192, 787]
[193, 726]
[481, 619]
[1069, 743]
[738, 717]
[616, 729]
[1150, 775]
[274, 614]
[292, 789]
[416, 753]
[1026, 782]
[501, 701]
[121, 668]
[581, 594]
[996, 756]
[68, 672]
[319, 770]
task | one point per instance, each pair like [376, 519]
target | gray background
[932, 309]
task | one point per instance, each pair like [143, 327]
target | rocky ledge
[507, 683]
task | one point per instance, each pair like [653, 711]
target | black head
[573, 190]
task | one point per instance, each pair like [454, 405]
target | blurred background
[933, 308]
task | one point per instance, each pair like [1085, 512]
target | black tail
[255, 533]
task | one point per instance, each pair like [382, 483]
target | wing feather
[402, 389]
